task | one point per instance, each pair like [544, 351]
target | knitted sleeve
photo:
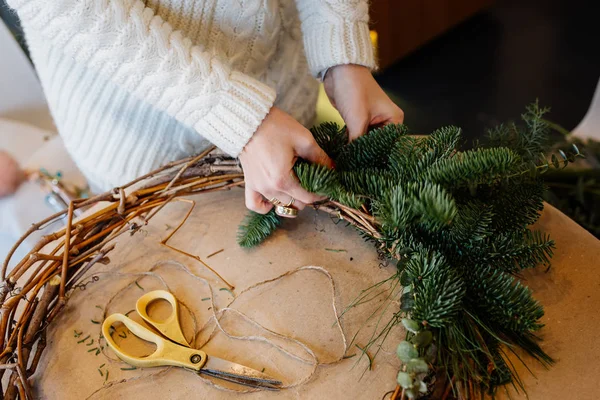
[128, 44]
[336, 32]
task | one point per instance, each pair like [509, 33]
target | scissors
[175, 350]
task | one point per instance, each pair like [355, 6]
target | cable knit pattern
[336, 32]
[133, 84]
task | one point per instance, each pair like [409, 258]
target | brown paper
[297, 310]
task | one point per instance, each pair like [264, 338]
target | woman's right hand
[268, 160]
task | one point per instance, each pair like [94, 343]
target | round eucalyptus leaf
[405, 380]
[410, 325]
[406, 352]
[417, 366]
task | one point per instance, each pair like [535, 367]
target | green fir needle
[84, 339]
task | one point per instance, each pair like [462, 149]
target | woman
[133, 85]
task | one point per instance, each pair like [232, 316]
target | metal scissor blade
[237, 373]
[238, 381]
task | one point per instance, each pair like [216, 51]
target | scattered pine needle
[106, 377]
[215, 253]
[228, 290]
[99, 307]
[129, 312]
[350, 356]
[206, 298]
[84, 339]
[95, 322]
[77, 334]
[94, 349]
[90, 343]
[368, 356]
[100, 372]
[128, 368]
[102, 365]
[138, 285]
[337, 250]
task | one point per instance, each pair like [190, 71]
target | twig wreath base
[37, 288]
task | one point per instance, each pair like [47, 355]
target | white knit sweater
[134, 84]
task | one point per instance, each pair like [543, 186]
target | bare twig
[164, 243]
[65, 261]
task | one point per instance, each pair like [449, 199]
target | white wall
[21, 96]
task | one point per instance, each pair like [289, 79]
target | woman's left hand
[359, 99]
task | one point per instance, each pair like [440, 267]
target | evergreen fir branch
[472, 223]
[420, 266]
[442, 143]
[371, 150]
[424, 202]
[474, 167]
[368, 181]
[411, 156]
[256, 228]
[458, 224]
[348, 199]
[330, 137]
[433, 205]
[503, 300]
[439, 293]
[520, 250]
[394, 211]
[317, 178]
[516, 206]
[405, 159]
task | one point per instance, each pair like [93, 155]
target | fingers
[309, 150]
[285, 200]
[288, 186]
[256, 202]
[396, 115]
[357, 127]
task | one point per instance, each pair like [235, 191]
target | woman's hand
[268, 160]
[359, 99]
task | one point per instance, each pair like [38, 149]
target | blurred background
[475, 63]
[469, 63]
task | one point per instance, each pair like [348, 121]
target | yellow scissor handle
[169, 327]
[166, 353]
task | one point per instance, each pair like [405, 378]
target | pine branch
[371, 150]
[500, 298]
[474, 167]
[458, 222]
[472, 223]
[330, 137]
[256, 228]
